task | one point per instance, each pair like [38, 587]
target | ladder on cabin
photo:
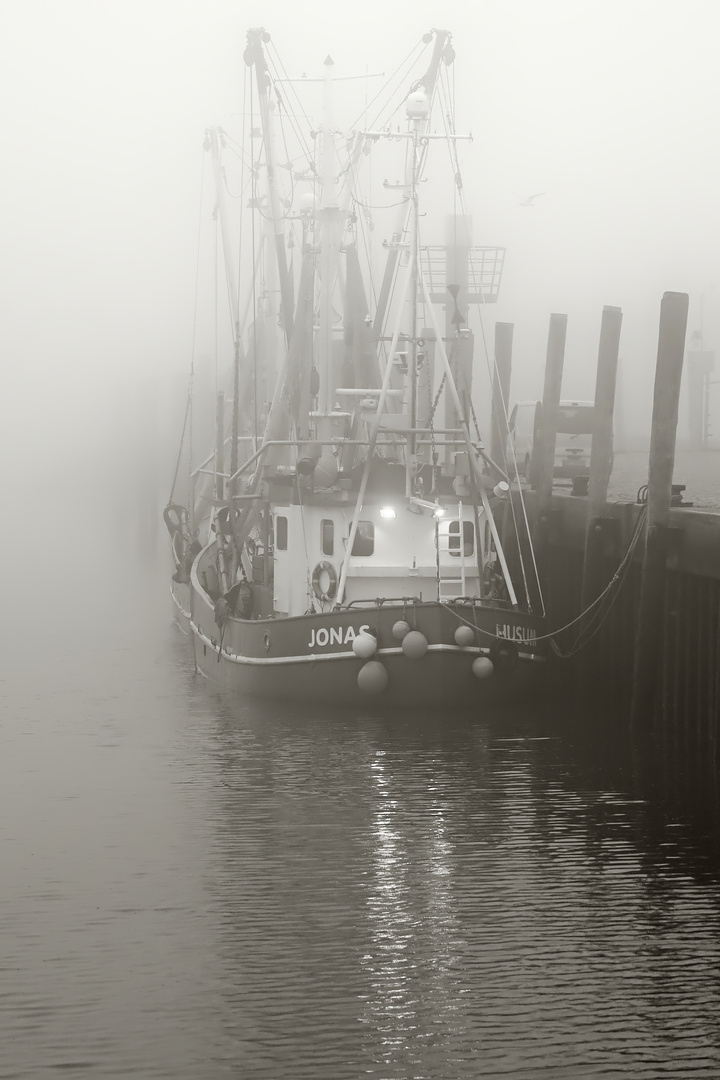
[452, 578]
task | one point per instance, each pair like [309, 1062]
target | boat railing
[338, 441]
[410, 601]
[203, 466]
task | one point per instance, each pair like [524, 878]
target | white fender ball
[464, 635]
[364, 645]
[372, 677]
[482, 667]
[415, 645]
[400, 629]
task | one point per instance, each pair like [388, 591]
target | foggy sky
[609, 109]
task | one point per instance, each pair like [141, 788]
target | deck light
[435, 508]
[388, 512]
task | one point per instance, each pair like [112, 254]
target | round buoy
[364, 645]
[400, 629]
[482, 667]
[415, 645]
[464, 635]
[372, 677]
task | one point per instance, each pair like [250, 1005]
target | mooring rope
[616, 580]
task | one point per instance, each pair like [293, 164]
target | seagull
[529, 200]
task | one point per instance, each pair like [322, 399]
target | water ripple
[194, 888]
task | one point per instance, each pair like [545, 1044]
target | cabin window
[281, 533]
[364, 543]
[327, 529]
[468, 534]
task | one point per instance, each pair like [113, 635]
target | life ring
[327, 568]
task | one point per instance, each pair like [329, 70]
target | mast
[418, 110]
[212, 143]
[328, 214]
[441, 50]
[255, 57]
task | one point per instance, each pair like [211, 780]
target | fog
[605, 111]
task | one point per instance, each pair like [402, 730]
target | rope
[182, 440]
[588, 632]
[616, 580]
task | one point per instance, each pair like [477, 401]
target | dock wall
[687, 702]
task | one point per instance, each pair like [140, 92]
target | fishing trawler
[349, 538]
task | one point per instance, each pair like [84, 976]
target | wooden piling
[543, 460]
[501, 392]
[671, 348]
[602, 452]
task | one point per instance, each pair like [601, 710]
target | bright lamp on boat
[388, 512]
[423, 504]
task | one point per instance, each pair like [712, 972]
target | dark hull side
[310, 658]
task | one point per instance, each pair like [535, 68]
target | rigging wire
[231, 144]
[191, 501]
[216, 320]
[215, 296]
[254, 275]
[492, 366]
[276, 62]
[364, 230]
[235, 195]
[365, 223]
[182, 440]
[291, 196]
[418, 48]
[243, 166]
[377, 206]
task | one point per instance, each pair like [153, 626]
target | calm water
[196, 888]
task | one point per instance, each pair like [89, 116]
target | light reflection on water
[196, 888]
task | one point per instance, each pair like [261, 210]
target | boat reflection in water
[466, 897]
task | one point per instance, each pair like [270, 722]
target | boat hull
[310, 658]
